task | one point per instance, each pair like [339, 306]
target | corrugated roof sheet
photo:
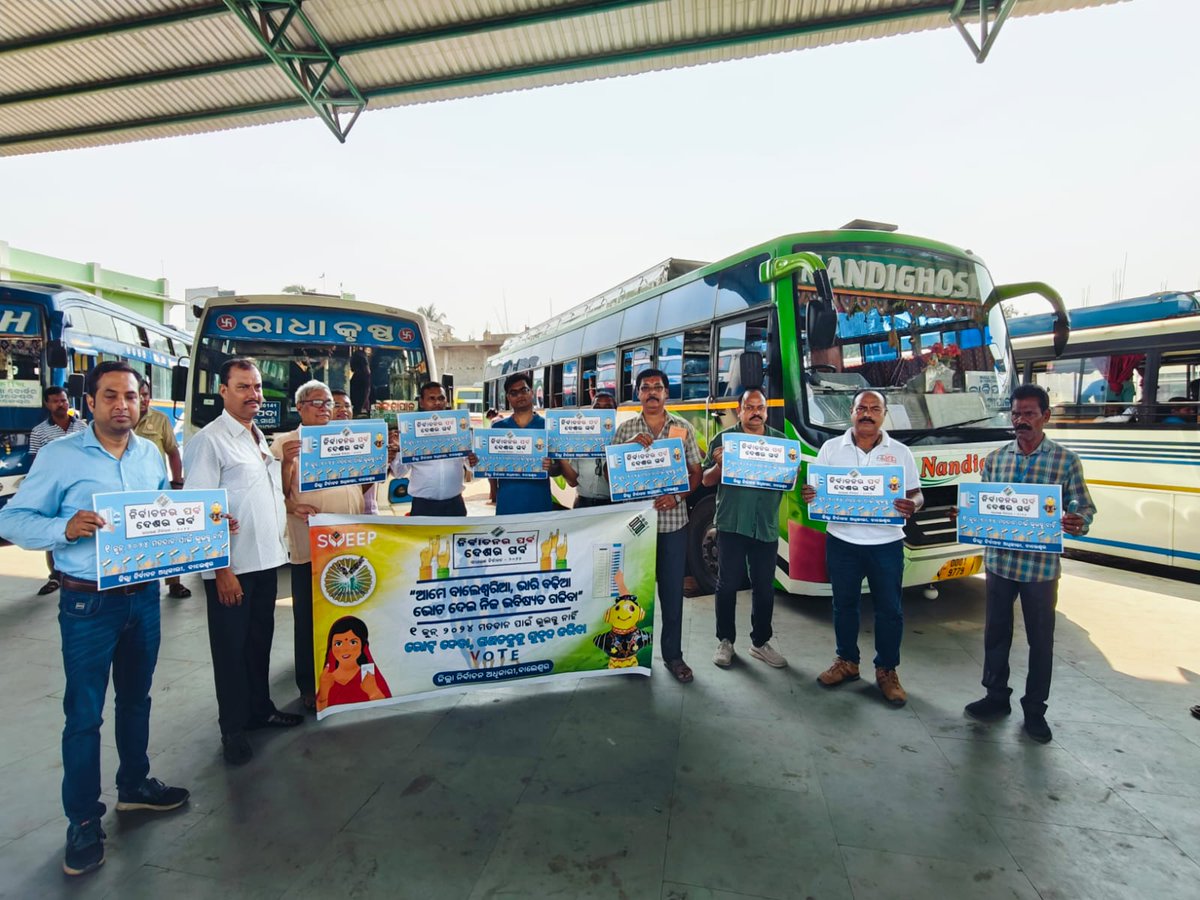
[77, 73]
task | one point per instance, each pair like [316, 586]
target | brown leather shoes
[889, 684]
[842, 670]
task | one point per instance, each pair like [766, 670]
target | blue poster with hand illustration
[1011, 516]
[438, 434]
[579, 433]
[347, 452]
[511, 452]
[635, 471]
[863, 495]
[759, 461]
[157, 534]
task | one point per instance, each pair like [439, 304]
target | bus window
[569, 373]
[160, 383]
[670, 360]
[539, 387]
[99, 324]
[639, 320]
[633, 361]
[688, 304]
[734, 340]
[128, 333]
[740, 288]
[599, 374]
[696, 353]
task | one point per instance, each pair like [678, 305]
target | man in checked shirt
[1030, 459]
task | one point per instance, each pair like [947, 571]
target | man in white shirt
[875, 552]
[231, 453]
[435, 485]
[314, 402]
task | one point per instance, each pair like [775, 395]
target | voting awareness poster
[579, 433]
[346, 452]
[635, 472]
[157, 534]
[864, 495]
[406, 608]
[1011, 516]
[434, 435]
[511, 452]
[759, 461]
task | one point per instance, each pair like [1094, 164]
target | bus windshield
[938, 362]
[378, 360]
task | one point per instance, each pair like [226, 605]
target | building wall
[465, 359]
[147, 296]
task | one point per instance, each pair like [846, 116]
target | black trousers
[452, 507]
[582, 502]
[240, 640]
[302, 620]
[736, 553]
[1038, 602]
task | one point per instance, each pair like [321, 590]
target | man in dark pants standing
[116, 629]
[1030, 459]
[435, 485]
[653, 423]
[231, 453]
[747, 533]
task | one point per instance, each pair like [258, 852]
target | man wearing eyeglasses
[874, 552]
[523, 495]
[653, 423]
[1032, 458]
[435, 485]
[589, 477]
[231, 453]
[314, 403]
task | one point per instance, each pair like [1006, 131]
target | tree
[296, 289]
[432, 313]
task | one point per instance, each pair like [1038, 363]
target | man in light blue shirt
[116, 629]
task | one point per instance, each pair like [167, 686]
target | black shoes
[989, 709]
[152, 794]
[1036, 728]
[85, 848]
[236, 749]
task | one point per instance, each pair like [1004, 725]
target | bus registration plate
[959, 568]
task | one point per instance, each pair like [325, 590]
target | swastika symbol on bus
[406, 334]
[226, 322]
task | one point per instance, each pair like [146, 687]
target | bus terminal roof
[82, 74]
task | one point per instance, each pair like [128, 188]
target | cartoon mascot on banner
[624, 639]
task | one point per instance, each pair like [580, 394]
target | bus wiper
[925, 432]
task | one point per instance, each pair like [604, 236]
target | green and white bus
[812, 318]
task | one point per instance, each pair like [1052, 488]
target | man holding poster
[314, 403]
[523, 495]
[651, 424]
[116, 629]
[1030, 459]
[435, 485]
[747, 535]
[874, 551]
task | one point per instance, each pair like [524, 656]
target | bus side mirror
[1062, 332]
[56, 355]
[179, 376]
[820, 323]
[750, 370]
[448, 385]
[75, 390]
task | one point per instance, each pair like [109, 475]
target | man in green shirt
[747, 535]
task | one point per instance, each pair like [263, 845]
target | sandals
[278, 719]
[680, 670]
[1196, 712]
[178, 591]
[309, 701]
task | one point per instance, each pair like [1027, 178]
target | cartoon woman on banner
[349, 675]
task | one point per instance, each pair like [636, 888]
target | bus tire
[702, 544]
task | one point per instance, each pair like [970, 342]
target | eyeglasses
[320, 404]
[517, 392]
[651, 388]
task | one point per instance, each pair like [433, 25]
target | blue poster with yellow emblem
[347, 452]
[635, 471]
[1011, 516]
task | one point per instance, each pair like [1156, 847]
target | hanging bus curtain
[1119, 370]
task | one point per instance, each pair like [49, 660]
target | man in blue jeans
[117, 628]
[876, 552]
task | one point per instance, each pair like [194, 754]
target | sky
[1070, 156]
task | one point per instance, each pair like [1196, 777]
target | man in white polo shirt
[875, 552]
[435, 485]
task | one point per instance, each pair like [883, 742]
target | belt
[91, 587]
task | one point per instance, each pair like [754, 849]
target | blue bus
[1125, 397]
[51, 334]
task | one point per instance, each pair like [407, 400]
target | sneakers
[769, 655]
[842, 670]
[1036, 728]
[889, 684]
[236, 749]
[152, 794]
[989, 709]
[85, 848]
[723, 655]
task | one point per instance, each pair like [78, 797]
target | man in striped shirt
[59, 424]
[1030, 459]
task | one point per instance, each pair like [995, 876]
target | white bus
[1124, 397]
